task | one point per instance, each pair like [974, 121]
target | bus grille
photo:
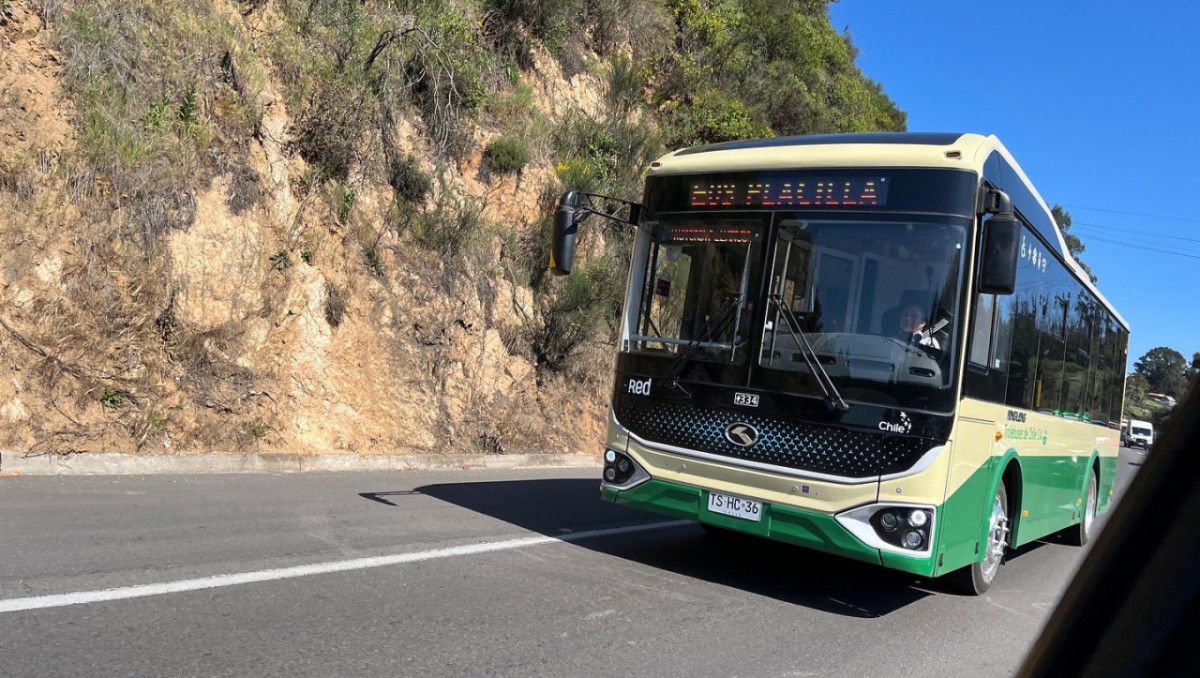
[782, 442]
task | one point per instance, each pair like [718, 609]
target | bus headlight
[622, 471]
[896, 528]
[912, 540]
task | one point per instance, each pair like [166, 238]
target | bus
[872, 345]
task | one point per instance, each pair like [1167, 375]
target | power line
[1142, 247]
[1127, 231]
[1135, 214]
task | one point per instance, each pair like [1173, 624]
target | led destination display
[931, 191]
[799, 191]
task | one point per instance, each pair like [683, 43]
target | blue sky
[1099, 104]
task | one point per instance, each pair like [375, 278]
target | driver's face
[912, 320]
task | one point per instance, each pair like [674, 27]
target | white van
[1141, 434]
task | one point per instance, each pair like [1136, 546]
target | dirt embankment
[254, 323]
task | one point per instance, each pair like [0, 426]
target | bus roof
[946, 150]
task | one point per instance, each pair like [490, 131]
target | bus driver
[912, 327]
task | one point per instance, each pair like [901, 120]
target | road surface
[465, 573]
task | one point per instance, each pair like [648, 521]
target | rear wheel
[977, 578]
[1081, 534]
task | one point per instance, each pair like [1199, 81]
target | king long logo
[902, 426]
[741, 434]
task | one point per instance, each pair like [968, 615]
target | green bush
[447, 76]
[713, 118]
[517, 103]
[409, 182]
[258, 429]
[451, 225]
[346, 197]
[605, 156]
[626, 86]
[115, 399]
[506, 155]
[517, 115]
[588, 301]
[281, 260]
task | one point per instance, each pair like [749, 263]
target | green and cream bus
[872, 345]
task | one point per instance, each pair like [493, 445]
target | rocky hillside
[319, 225]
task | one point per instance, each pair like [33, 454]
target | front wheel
[977, 578]
[1081, 534]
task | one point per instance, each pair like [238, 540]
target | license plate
[747, 509]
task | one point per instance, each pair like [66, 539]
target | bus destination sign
[784, 191]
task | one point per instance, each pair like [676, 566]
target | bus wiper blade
[833, 398]
[709, 329]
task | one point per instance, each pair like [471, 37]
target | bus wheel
[976, 578]
[1081, 534]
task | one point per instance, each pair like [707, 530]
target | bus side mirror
[566, 228]
[1001, 250]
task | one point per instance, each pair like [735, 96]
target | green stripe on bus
[1050, 499]
[818, 531]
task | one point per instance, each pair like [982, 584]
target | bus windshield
[876, 297]
[698, 293]
[875, 300]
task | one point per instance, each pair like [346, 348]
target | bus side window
[981, 337]
[991, 341]
[1023, 361]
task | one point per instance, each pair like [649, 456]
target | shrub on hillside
[713, 118]
[589, 301]
[451, 225]
[327, 132]
[605, 156]
[447, 76]
[506, 155]
[153, 90]
[409, 182]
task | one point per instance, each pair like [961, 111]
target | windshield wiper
[709, 329]
[833, 398]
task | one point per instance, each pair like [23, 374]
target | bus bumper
[810, 529]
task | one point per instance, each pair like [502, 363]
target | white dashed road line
[223, 580]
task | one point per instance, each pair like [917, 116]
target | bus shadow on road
[557, 507]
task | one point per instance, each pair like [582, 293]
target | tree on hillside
[1074, 245]
[1165, 369]
[753, 68]
[1136, 387]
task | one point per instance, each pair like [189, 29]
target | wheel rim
[1089, 511]
[997, 539]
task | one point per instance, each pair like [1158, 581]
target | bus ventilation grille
[782, 442]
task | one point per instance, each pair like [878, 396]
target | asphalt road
[417, 595]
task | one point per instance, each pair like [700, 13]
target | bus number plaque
[745, 399]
